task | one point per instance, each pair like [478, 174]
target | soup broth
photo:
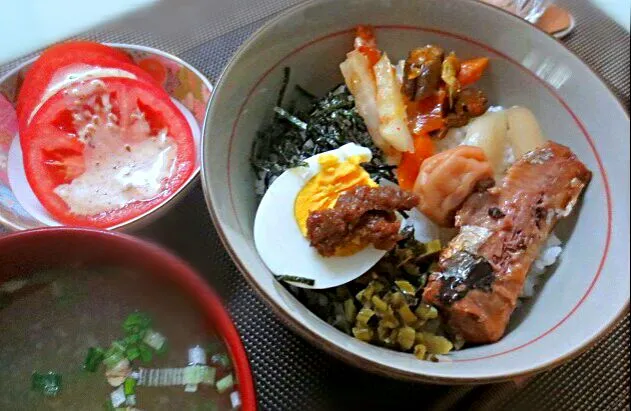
[49, 320]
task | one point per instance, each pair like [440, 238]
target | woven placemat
[290, 374]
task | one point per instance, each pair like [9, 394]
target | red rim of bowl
[176, 270]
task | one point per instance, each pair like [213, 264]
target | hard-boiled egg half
[280, 232]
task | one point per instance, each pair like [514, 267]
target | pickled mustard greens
[384, 306]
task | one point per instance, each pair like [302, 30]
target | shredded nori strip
[295, 279]
[293, 135]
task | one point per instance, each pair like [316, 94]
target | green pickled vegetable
[389, 321]
[426, 312]
[407, 315]
[431, 248]
[405, 337]
[419, 351]
[364, 315]
[364, 334]
[406, 287]
[435, 344]
[379, 304]
[350, 311]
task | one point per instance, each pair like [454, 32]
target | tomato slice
[72, 58]
[107, 150]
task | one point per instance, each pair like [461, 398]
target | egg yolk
[323, 189]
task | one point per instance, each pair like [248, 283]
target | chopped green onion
[295, 279]
[145, 353]
[129, 386]
[209, 376]
[117, 397]
[132, 339]
[93, 359]
[154, 340]
[225, 384]
[163, 349]
[132, 353]
[198, 374]
[48, 383]
[235, 400]
[221, 360]
[136, 323]
[114, 355]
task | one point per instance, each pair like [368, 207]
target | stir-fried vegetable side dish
[403, 152]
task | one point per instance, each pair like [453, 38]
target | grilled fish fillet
[502, 229]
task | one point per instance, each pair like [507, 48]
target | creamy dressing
[113, 179]
[121, 165]
[75, 73]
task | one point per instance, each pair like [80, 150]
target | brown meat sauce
[516, 218]
[362, 214]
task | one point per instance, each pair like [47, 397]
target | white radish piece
[361, 83]
[489, 133]
[391, 107]
[524, 133]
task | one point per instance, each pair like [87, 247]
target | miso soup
[108, 339]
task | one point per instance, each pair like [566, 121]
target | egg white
[282, 246]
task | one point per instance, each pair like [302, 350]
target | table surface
[55, 20]
[291, 374]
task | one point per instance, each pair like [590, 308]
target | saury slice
[502, 229]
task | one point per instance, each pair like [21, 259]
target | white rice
[548, 256]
